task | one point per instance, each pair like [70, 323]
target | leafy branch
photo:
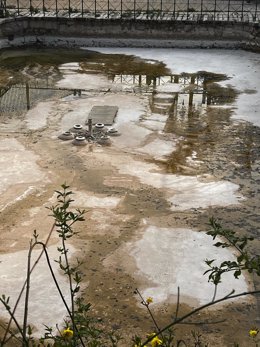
[244, 261]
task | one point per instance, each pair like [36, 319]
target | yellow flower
[253, 332]
[149, 300]
[156, 341]
[67, 333]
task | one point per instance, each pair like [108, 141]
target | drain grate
[103, 114]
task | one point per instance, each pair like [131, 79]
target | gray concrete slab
[103, 114]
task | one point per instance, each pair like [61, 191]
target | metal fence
[199, 10]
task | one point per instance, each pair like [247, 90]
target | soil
[92, 169]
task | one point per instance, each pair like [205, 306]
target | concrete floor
[145, 226]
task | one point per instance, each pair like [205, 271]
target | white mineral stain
[18, 166]
[184, 192]
[44, 297]
[37, 117]
[158, 148]
[86, 200]
[173, 258]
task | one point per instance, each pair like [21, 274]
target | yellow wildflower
[149, 300]
[253, 332]
[67, 333]
[156, 341]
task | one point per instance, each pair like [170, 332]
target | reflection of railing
[178, 91]
[194, 10]
[196, 80]
[22, 97]
[3, 91]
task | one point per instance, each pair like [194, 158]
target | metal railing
[213, 10]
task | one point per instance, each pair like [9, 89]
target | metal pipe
[228, 8]
[242, 11]
[27, 89]
[215, 9]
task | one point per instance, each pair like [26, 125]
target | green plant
[244, 260]
[79, 328]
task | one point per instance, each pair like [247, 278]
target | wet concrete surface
[178, 133]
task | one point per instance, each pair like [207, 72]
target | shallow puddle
[182, 157]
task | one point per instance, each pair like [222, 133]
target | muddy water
[197, 111]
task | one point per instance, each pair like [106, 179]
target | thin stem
[59, 290]
[227, 297]
[65, 227]
[154, 321]
[178, 304]
[204, 322]
[26, 302]
[12, 335]
[23, 287]
[233, 244]
[15, 320]
[70, 284]
[215, 292]
[147, 306]
[217, 226]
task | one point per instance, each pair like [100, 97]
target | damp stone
[99, 128]
[76, 128]
[79, 141]
[113, 132]
[99, 125]
[67, 135]
[104, 140]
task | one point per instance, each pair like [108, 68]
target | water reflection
[187, 90]
[197, 108]
[16, 99]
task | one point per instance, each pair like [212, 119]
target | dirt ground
[110, 278]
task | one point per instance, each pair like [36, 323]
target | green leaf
[209, 262]
[237, 273]
[218, 244]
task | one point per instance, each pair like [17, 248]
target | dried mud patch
[95, 173]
